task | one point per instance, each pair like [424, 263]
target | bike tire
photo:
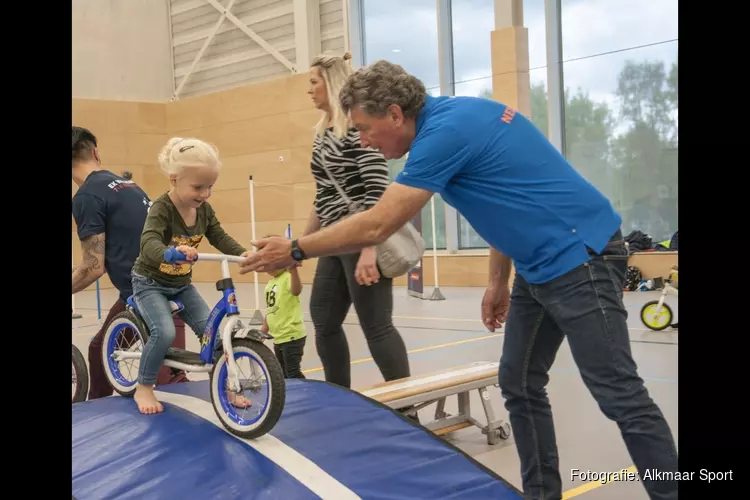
[82, 376]
[140, 328]
[657, 328]
[277, 387]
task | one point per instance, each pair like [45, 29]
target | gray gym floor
[442, 334]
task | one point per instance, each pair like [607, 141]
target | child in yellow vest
[284, 320]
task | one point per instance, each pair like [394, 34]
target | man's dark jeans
[585, 305]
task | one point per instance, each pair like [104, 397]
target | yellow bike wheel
[654, 321]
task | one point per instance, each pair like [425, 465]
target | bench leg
[464, 406]
[495, 429]
[445, 423]
[440, 409]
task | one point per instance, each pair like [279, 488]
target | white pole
[434, 242]
[252, 229]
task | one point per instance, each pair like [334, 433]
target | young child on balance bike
[179, 218]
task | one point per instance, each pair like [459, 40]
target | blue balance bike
[127, 335]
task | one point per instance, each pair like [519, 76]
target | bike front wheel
[262, 382]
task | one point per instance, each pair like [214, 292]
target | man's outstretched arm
[395, 208]
[92, 265]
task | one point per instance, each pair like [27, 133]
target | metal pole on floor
[436, 294]
[257, 318]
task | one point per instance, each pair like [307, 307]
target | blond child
[179, 218]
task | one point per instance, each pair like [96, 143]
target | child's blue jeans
[152, 300]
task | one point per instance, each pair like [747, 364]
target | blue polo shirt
[515, 189]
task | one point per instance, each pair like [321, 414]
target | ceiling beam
[254, 36]
[206, 43]
[306, 31]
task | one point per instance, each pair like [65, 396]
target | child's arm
[264, 328]
[154, 234]
[296, 286]
[219, 239]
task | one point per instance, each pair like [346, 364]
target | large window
[473, 21]
[620, 92]
[410, 39]
[404, 33]
[620, 78]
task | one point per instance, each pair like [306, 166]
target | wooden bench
[411, 394]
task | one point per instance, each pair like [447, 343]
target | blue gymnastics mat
[330, 443]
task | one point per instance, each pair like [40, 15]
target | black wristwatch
[297, 253]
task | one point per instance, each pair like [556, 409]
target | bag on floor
[400, 252]
[632, 279]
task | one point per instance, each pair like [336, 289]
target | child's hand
[190, 252]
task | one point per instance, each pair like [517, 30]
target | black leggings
[334, 289]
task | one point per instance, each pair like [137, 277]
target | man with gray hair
[535, 211]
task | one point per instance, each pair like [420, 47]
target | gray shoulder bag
[400, 252]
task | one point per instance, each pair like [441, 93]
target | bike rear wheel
[125, 332]
[80, 376]
[268, 399]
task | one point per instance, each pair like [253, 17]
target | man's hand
[273, 253]
[495, 305]
[366, 272]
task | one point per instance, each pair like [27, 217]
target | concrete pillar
[510, 57]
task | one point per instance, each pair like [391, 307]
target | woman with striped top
[341, 280]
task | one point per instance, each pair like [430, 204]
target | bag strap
[353, 207]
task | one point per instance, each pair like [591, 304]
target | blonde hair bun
[180, 152]
[347, 56]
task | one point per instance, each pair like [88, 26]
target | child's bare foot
[146, 400]
[238, 400]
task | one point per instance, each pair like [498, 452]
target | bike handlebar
[172, 255]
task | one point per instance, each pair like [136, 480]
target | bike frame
[668, 288]
[225, 307]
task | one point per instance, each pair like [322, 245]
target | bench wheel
[500, 434]
[503, 432]
[80, 376]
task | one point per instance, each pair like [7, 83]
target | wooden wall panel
[653, 264]
[119, 117]
[271, 98]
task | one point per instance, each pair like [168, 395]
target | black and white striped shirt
[361, 172]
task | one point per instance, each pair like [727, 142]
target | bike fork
[662, 298]
[232, 369]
